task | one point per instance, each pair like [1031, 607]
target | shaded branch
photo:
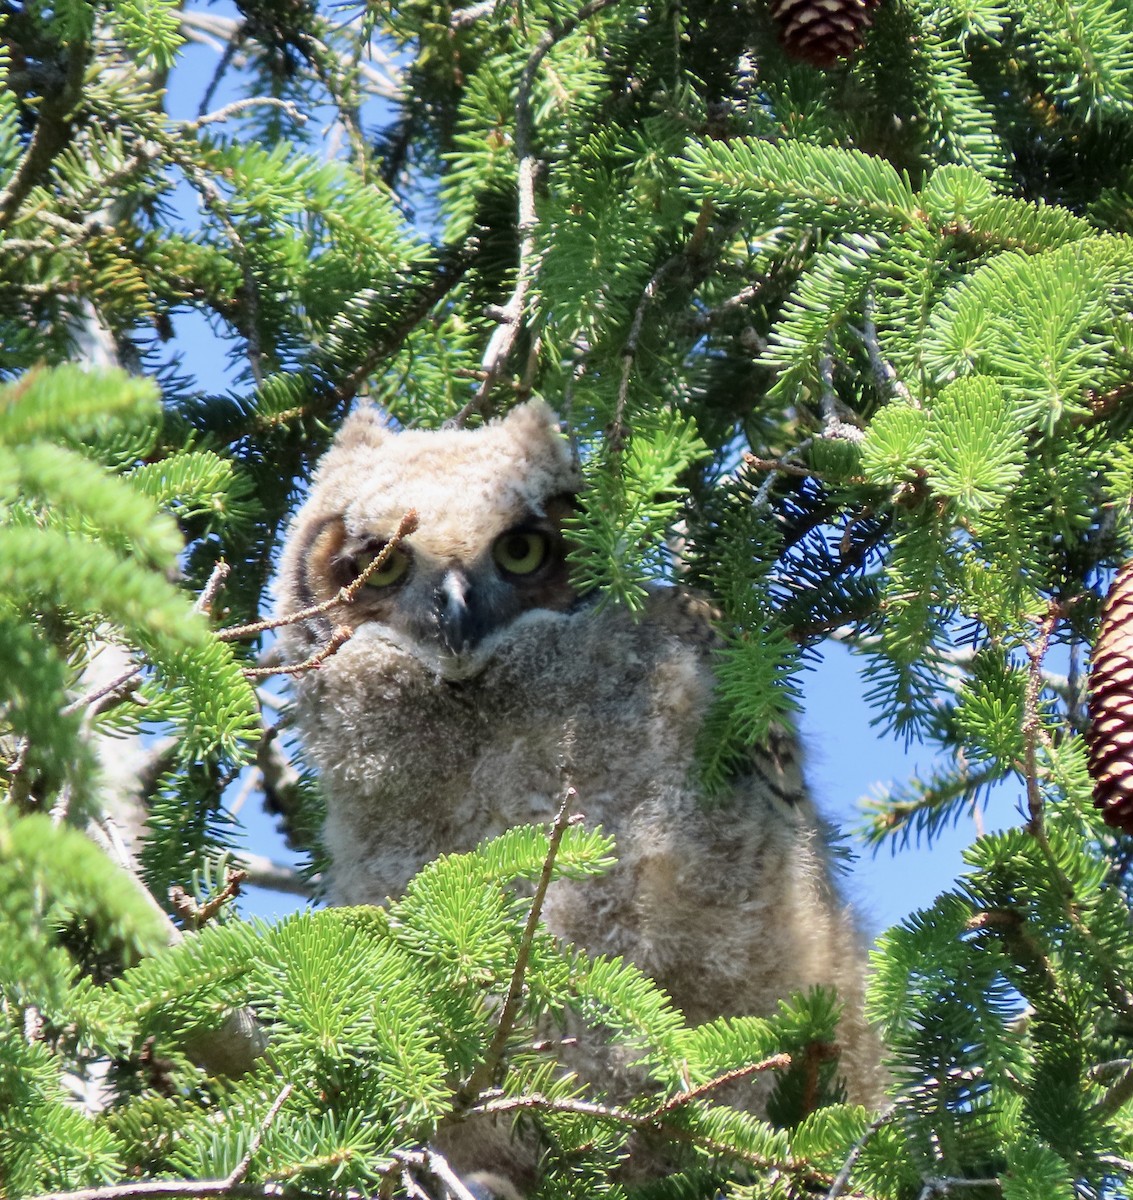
[1032, 718]
[509, 318]
[54, 128]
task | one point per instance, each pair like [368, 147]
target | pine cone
[821, 32]
[1109, 736]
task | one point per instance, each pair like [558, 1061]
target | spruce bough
[861, 334]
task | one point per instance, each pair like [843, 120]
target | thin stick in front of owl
[344, 595]
[484, 1075]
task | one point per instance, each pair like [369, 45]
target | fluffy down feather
[729, 906]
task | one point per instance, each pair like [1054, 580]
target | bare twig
[1032, 718]
[217, 577]
[653, 1119]
[776, 1062]
[432, 1163]
[780, 465]
[344, 595]
[484, 1075]
[949, 1186]
[170, 1189]
[702, 321]
[238, 106]
[338, 638]
[843, 1177]
[510, 316]
[461, 18]
[263, 872]
[883, 372]
[222, 34]
[833, 424]
[241, 1169]
[763, 496]
[106, 695]
[199, 915]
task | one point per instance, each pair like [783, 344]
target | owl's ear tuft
[532, 434]
[364, 427]
[534, 417]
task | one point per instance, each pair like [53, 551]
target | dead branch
[344, 595]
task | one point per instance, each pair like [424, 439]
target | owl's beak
[460, 625]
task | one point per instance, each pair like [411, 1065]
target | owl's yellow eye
[389, 572]
[521, 552]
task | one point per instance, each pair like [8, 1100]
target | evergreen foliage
[861, 338]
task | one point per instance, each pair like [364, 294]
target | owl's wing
[773, 765]
[687, 615]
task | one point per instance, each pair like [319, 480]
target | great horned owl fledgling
[441, 723]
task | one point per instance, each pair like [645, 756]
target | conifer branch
[241, 1169]
[1027, 953]
[683, 259]
[215, 203]
[510, 317]
[1033, 730]
[115, 690]
[485, 1072]
[842, 1179]
[54, 126]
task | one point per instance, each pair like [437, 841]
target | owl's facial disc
[448, 609]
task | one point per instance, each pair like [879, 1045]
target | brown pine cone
[1109, 736]
[821, 32]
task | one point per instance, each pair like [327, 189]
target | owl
[442, 722]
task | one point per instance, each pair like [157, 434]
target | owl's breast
[416, 763]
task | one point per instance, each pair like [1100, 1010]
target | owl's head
[487, 548]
